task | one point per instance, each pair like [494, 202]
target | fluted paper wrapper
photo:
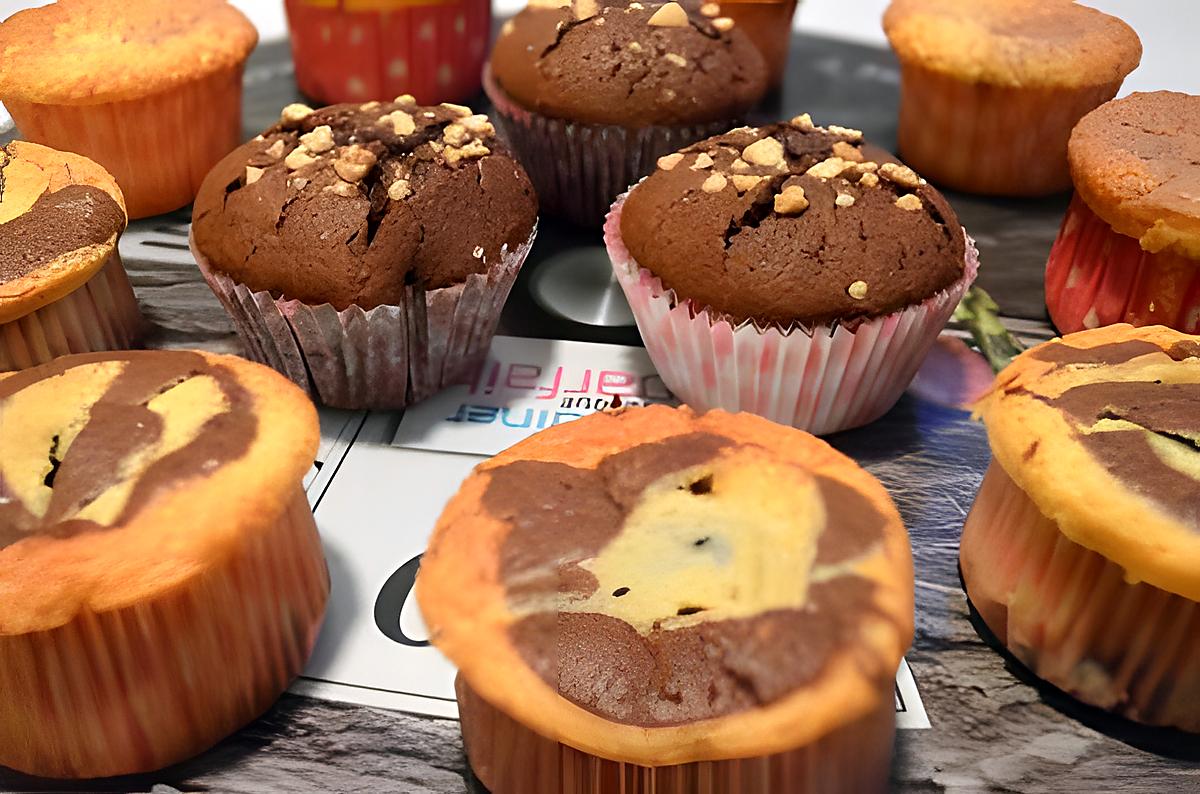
[101, 314]
[387, 357]
[578, 169]
[512, 759]
[137, 688]
[1069, 615]
[821, 379]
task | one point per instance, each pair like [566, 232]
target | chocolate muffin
[590, 93]
[658, 600]
[412, 220]
[796, 238]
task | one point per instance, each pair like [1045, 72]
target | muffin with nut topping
[793, 271]
[365, 251]
[591, 92]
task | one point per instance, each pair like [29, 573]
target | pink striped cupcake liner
[390, 356]
[821, 379]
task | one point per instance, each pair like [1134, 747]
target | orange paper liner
[138, 688]
[102, 314]
[512, 759]
[158, 147]
[1096, 276]
[991, 139]
[1069, 615]
[768, 24]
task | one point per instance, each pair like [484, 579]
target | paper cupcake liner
[991, 139]
[1096, 276]
[102, 314]
[1068, 614]
[821, 379]
[387, 357]
[578, 169]
[509, 758]
[158, 147]
[354, 52]
[138, 688]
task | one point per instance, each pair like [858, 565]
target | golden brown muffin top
[125, 473]
[85, 52]
[1136, 163]
[60, 217]
[1019, 43]
[1102, 430]
[665, 587]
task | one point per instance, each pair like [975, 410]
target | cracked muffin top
[793, 224]
[352, 204]
[664, 587]
[629, 64]
[1136, 163]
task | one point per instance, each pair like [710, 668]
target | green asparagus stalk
[981, 316]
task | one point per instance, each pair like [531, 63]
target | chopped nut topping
[585, 9]
[714, 184]
[478, 252]
[344, 189]
[507, 28]
[847, 132]
[599, 21]
[723, 24]
[298, 158]
[857, 290]
[669, 161]
[368, 105]
[319, 140]
[791, 201]
[767, 151]
[710, 10]
[804, 123]
[744, 182]
[253, 174]
[868, 166]
[847, 152]
[258, 138]
[678, 60]
[909, 202]
[293, 114]
[829, 168]
[402, 123]
[633, 46]
[670, 15]
[455, 134]
[740, 166]
[478, 125]
[471, 151]
[702, 161]
[298, 183]
[635, 7]
[458, 110]
[668, 94]
[406, 99]
[844, 200]
[429, 114]
[354, 163]
[400, 189]
[868, 180]
[276, 149]
[900, 174]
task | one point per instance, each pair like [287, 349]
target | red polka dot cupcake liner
[1096, 276]
[361, 50]
[821, 379]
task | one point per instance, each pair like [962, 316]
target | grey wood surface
[993, 729]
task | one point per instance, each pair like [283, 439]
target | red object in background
[361, 50]
[1097, 276]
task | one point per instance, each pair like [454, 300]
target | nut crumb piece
[599, 21]
[478, 125]
[669, 94]
[900, 174]
[744, 182]
[670, 15]
[298, 158]
[368, 106]
[319, 140]
[710, 10]
[276, 149]
[909, 202]
[847, 151]
[635, 7]
[253, 174]
[298, 183]
[791, 201]
[723, 24]
[406, 99]
[857, 290]
[848, 132]
[740, 166]
[429, 114]
[844, 200]
[829, 168]
[868, 180]
[669, 161]
[455, 134]
[703, 160]
[471, 151]
[354, 163]
[258, 138]
[714, 184]
[478, 252]
[458, 110]
[767, 151]
[507, 28]
[293, 114]
[868, 166]
[402, 123]
[804, 123]
[676, 59]
[400, 189]
[343, 189]
[633, 46]
[585, 9]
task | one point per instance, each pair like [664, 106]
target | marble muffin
[832, 266]
[380, 240]
[161, 576]
[655, 600]
[62, 287]
[1090, 579]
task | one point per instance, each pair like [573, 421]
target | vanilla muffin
[655, 600]
[1091, 579]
